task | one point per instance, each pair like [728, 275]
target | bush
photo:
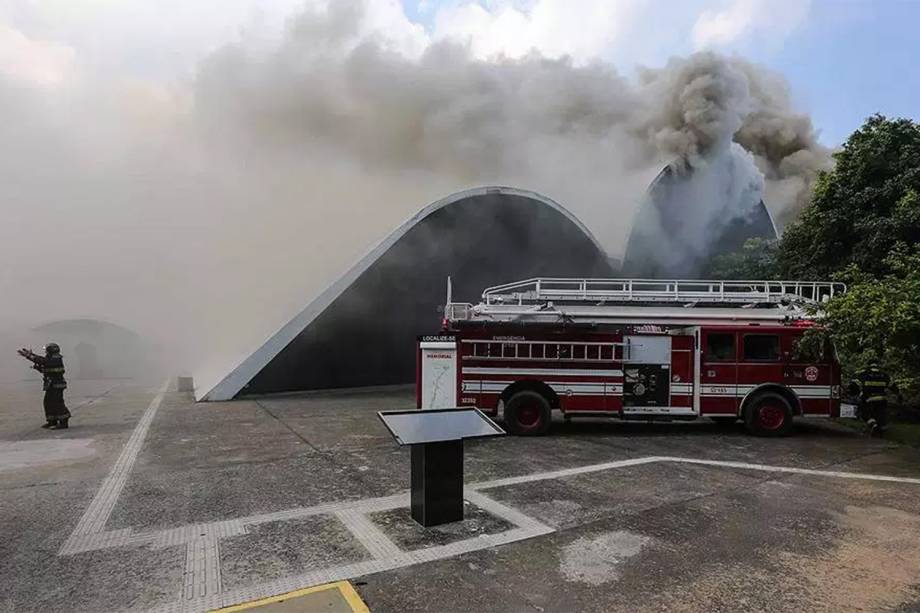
[879, 318]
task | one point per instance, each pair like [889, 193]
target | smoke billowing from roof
[706, 100]
[207, 213]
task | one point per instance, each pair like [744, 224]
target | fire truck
[634, 349]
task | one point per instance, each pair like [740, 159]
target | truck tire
[768, 414]
[527, 413]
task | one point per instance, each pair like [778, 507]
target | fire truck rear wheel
[527, 413]
[768, 414]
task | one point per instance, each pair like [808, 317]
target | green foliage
[863, 208]
[756, 260]
[880, 319]
[861, 227]
[813, 345]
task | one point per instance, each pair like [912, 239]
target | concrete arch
[481, 236]
[97, 349]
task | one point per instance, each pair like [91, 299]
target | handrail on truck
[545, 289]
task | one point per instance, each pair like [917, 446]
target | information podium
[435, 438]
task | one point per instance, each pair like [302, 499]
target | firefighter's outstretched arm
[37, 360]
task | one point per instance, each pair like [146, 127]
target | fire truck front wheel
[527, 413]
[768, 414]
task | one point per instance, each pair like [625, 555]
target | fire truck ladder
[665, 301]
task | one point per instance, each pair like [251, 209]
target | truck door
[719, 372]
[684, 366]
[812, 377]
[762, 361]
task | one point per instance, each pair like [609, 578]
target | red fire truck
[634, 349]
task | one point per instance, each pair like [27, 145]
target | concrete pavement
[150, 501]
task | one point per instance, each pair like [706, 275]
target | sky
[169, 147]
[844, 59]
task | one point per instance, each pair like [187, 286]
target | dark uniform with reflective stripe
[51, 366]
[873, 394]
[54, 385]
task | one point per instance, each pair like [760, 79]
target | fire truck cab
[634, 349]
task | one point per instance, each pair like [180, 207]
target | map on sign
[438, 385]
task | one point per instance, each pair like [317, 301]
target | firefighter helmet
[52, 349]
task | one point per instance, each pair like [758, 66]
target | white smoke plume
[205, 214]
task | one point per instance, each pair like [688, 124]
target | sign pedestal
[435, 440]
[437, 482]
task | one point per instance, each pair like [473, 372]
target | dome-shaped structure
[676, 236]
[361, 330]
[97, 349]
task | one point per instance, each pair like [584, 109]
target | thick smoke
[784, 143]
[695, 106]
[204, 215]
[712, 182]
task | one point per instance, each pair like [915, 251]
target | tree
[756, 260]
[861, 209]
[862, 227]
[880, 319]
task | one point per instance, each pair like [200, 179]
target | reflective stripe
[582, 388]
[874, 383]
[732, 391]
[876, 398]
[513, 370]
[587, 388]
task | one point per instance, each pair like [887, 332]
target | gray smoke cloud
[205, 214]
[693, 108]
[784, 143]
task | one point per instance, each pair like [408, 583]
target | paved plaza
[150, 502]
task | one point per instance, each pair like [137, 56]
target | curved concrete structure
[671, 237]
[95, 349]
[361, 330]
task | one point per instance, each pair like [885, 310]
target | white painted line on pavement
[369, 535]
[593, 468]
[566, 472]
[202, 584]
[100, 509]
[387, 555]
[793, 470]
[505, 512]
[202, 569]
[232, 527]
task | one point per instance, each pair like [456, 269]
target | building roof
[490, 231]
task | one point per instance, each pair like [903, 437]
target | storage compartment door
[647, 372]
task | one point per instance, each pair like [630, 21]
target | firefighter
[872, 385]
[51, 366]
